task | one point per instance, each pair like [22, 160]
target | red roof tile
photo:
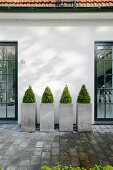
[78, 3]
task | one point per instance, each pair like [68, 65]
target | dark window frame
[13, 43]
[99, 43]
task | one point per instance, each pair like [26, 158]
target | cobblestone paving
[29, 151]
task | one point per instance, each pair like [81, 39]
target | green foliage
[47, 96]
[59, 167]
[66, 97]
[83, 96]
[29, 96]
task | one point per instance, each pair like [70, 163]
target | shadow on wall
[54, 57]
[56, 53]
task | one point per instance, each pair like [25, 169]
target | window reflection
[100, 81]
[100, 67]
[108, 67]
[109, 81]
[109, 54]
[104, 82]
[7, 81]
[3, 54]
[100, 96]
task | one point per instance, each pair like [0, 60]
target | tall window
[104, 80]
[8, 80]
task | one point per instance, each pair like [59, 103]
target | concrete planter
[66, 117]
[84, 117]
[46, 117]
[28, 117]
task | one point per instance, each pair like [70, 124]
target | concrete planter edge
[66, 117]
[84, 117]
[28, 117]
[47, 117]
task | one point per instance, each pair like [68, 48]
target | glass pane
[2, 110]
[11, 86]
[100, 47]
[108, 47]
[10, 79]
[3, 53]
[3, 65]
[109, 110]
[109, 96]
[7, 81]
[2, 88]
[109, 81]
[10, 67]
[2, 96]
[11, 110]
[100, 53]
[108, 67]
[100, 67]
[100, 81]
[109, 54]
[10, 96]
[2, 81]
[11, 52]
[100, 96]
[100, 110]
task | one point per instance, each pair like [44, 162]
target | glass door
[8, 81]
[103, 81]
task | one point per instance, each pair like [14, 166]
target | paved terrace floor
[29, 151]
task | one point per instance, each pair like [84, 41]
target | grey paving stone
[18, 141]
[47, 148]
[46, 155]
[55, 144]
[36, 160]
[38, 151]
[23, 144]
[25, 163]
[29, 151]
[34, 166]
[55, 151]
[11, 168]
[39, 144]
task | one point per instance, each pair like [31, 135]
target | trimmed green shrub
[47, 96]
[29, 96]
[59, 167]
[66, 97]
[83, 96]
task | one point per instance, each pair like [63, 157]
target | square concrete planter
[46, 117]
[28, 117]
[65, 117]
[84, 117]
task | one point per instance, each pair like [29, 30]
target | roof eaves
[55, 9]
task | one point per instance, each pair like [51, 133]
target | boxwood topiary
[83, 96]
[66, 97]
[29, 96]
[47, 96]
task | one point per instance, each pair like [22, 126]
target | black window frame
[99, 43]
[13, 43]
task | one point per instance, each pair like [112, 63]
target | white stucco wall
[56, 53]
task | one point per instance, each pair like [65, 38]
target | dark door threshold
[8, 122]
[103, 122]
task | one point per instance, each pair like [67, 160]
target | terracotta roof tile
[78, 3]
